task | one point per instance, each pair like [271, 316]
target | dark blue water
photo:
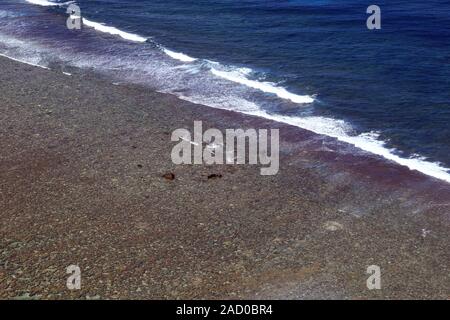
[390, 85]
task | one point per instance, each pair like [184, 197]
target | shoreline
[366, 139]
[82, 168]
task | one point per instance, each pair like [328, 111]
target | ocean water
[309, 63]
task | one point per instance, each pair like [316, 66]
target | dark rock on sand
[169, 176]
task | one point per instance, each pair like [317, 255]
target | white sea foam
[26, 62]
[366, 141]
[267, 87]
[46, 3]
[114, 31]
[92, 24]
[178, 56]
[238, 75]
[134, 37]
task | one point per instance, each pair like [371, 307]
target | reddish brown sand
[81, 182]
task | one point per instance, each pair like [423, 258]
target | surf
[113, 31]
[242, 78]
[46, 3]
[266, 87]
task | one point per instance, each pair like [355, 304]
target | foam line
[46, 3]
[263, 86]
[365, 141]
[178, 56]
[21, 61]
[114, 31]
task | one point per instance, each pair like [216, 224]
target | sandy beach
[81, 183]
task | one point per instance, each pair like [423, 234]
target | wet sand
[81, 182]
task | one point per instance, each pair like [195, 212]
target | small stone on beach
[333, 226]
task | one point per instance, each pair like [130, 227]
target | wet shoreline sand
[81, 183]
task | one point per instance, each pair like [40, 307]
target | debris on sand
[169, 176]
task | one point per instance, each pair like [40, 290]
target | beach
[82, 183]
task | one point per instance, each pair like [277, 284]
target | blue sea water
[309, 63]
